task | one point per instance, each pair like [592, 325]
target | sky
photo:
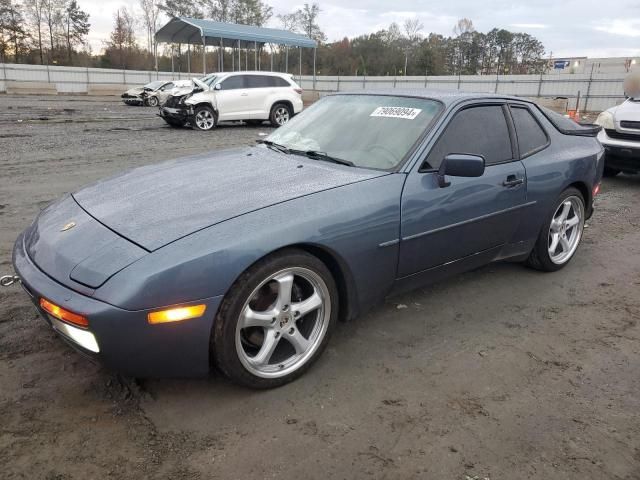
[569, 28]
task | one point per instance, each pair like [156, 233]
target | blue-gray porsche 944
[244, 260]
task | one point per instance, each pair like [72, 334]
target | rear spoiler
[566, 126]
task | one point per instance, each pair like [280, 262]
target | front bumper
[622, 154]
[124, 341]
[181, 113]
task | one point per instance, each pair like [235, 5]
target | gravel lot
[501, 373]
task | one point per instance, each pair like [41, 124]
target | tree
[35, 12]
[412, 28]
[150, 17]
[308, 22]
[12, 31]
[289, 21]
[251, 12]
[76, 26]
[122, 40]
[181, 8]
[52, 15]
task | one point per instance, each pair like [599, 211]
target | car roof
[448, 97]
[256, 72]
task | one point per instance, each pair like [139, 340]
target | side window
[166, 87]
[258, 81]
[531, 136]
[280, 82]
[478, 130]
[233, 83]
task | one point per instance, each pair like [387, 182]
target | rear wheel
[561, 234]
[204, 118]
[280, 114]
[276, 320]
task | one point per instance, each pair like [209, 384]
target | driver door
[232, 98]
[446, 225]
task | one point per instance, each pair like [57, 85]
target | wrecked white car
[152, 94]
[620, 134]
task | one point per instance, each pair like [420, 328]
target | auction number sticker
[396, 112]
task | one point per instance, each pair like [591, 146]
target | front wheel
[561, 234]
[280, 114]
[276, 320]
[152, 101]
[204, 118]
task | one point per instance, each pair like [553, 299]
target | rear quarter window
[531, 136]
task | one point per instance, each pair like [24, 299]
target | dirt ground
[501, 373]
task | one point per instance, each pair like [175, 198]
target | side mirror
[217, 86]
[460, 165]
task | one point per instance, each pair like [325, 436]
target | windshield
[209, 79]
[370, 131]
[155, 85]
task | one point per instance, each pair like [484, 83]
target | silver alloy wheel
[205, 120]
[278, 337]
[152, 101]
[565, 231]
[281, 115]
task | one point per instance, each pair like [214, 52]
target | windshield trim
[420, 138]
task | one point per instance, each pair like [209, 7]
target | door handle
[244, 94]
[512, 181]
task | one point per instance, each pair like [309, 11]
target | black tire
[610, 172]
[223, 338]
[539, 258]
[174, 122]
[280, 114]
[207, 113]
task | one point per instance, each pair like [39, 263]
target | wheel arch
[288, 103]
[586, 195]
[340, 271]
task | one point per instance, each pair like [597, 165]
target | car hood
[135, 91]
[629, 110]
[154, 205]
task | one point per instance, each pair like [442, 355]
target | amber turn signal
[176, 314]
[62, 314]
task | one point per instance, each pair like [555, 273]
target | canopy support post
[239, 59]
[246, 58]
[300, 66]
[255, 55]
[222, 57]
[271, 55]
[314, 67]
[286, 59]
[189, 58]
[172, 67]
[204, 57]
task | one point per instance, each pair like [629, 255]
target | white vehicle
[620, 134]
[154, 98]
[153, 93]
[250, 96]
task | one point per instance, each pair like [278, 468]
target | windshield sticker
[396, 112]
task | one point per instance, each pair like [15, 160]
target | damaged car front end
[175, 112]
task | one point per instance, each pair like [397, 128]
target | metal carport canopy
[197, 31]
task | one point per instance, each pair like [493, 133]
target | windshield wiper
[274, 146]
[315, 155]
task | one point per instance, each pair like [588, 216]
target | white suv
[250, 96]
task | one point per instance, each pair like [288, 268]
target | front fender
[359, 222]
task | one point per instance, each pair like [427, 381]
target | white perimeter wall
[597, 92]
